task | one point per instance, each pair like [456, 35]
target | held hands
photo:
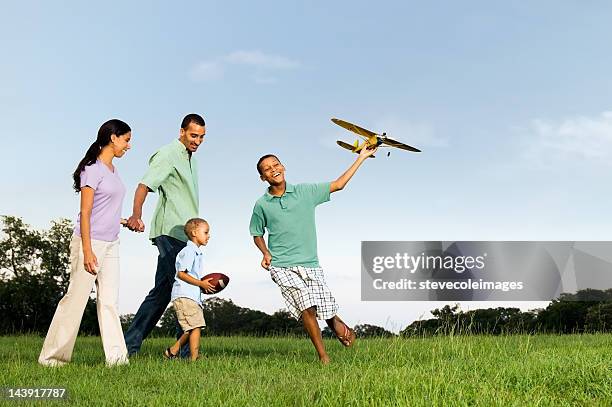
[267, 259]
[207, 286]
[134, 223]
[90, 262]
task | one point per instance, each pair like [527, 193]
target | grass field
[445, 371]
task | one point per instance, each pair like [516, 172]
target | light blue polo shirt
[290, 221]
[191, 260]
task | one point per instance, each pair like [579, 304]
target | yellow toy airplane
[370, 139]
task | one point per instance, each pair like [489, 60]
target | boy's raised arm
[343, 179]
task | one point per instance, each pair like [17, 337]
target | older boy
[288, 213]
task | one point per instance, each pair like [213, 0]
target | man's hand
[135, 224]
[207, 286]
[267, 259]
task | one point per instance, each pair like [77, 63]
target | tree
[587, 310]
[522, 322]
[489, 321]
[19, 248]
[561, 316]
[167, 324]
[448, 319]
[223, 317]
[327, 333]
[372, 331]
[55, 252]
[599, 318]
[425, 327]
[34, 275]
[126, 321]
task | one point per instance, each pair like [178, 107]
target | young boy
[288, 212]
[186, 289]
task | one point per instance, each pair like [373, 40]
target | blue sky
[510, 103]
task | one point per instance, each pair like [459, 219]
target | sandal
[348, 338]
[169, 355]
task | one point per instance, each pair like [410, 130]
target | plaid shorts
[304, 287]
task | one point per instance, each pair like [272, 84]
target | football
[219, 281]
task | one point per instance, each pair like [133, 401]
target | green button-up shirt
[174, 175]
[290, 220]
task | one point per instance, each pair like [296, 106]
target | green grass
[517, 370]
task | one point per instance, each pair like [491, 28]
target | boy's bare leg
[311, 325]
[194, 343]
[179, 343]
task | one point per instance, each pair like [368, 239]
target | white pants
[59, 343]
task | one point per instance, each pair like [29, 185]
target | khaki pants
[59, 343]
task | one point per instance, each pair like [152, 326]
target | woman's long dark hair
[113, 126]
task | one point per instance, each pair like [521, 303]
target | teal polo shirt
[290, 220]
[174, 175]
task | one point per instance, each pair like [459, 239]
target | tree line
[35, 272]
[566, 315]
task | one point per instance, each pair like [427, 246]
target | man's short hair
[192, 224]
[263, 158]
[192, 118]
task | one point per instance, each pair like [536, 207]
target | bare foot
[345, 335]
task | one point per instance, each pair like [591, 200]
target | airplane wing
[350, 147]
[402, 146]
[355, 129]
[345, 145]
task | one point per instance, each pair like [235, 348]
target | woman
[94, 251]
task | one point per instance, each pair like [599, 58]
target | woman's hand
[90, 262]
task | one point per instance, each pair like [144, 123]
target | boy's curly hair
[192, 224]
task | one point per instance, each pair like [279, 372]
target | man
[173, 174]
[287, 212]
